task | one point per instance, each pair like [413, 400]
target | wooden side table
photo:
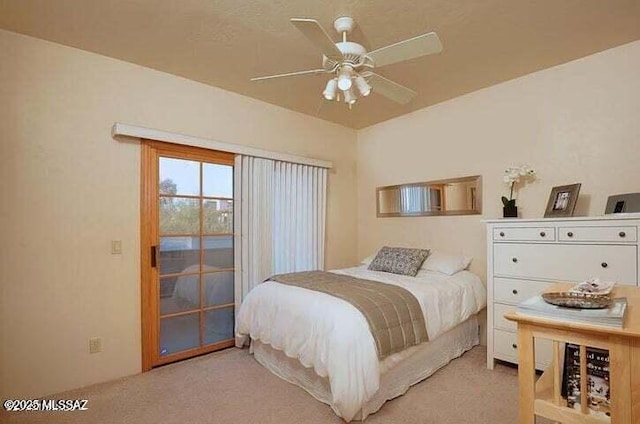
[543, 397]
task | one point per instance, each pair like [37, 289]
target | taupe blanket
[393, 313]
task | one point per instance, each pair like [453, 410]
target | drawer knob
[622, 234]
[514, 291]
[515, 346]
[543, 234]
[570, 234]
[514, 260]
[501, 233]
[604, 264]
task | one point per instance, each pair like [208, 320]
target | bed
[333, 355]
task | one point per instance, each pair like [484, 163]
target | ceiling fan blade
[291, 74]
[318, 36]
[391, 90]
[421, 45]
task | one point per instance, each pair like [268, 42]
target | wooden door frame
[150, 314]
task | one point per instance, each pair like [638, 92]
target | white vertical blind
[279, 220]
[299, 217]
[253, 223]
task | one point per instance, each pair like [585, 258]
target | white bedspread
[333, 337]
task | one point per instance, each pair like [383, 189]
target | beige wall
[68, 189]
[579, 122]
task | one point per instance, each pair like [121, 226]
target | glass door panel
[190, 198]
[218, 216]
[179, 333]
[218, 252]
[218, 288]
[217, 180]
[179, 177]
[218, 325]
[179, 294]
[179, 255]
[179, 215]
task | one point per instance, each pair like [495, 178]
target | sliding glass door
[187, 253]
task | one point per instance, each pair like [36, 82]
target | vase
[510, 211]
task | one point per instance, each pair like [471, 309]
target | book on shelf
[598, 389]
[613, 316]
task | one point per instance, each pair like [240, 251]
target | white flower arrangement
[512, 176]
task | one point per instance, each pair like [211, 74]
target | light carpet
[230, 386]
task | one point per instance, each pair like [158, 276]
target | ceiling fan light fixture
[350, 65]
[344, 78]
[363, 86]
[331, 89]
[349, 97]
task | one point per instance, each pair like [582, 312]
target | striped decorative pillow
[399, 260]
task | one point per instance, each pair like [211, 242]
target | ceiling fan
[352, 65]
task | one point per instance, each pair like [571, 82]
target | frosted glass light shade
[330, 90]
[363, 86]
[344, 78]
[349, 97]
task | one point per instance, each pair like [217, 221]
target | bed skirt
[399, 372]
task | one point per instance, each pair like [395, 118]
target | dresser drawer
[525, 234]
[505, 346]
[602, 234]
[511, 291]
[499, 321]
[564, 262]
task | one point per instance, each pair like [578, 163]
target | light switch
[95, 345]
[116, 247]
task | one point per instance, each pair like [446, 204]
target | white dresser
[524, 256]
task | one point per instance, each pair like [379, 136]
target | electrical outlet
[116, 247]
[95, 345]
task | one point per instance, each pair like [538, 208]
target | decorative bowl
[578, 300]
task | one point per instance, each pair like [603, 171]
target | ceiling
[224, 43]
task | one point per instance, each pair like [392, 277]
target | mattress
[331, 336]
[401, 370]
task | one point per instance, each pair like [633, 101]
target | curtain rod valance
[187, 140]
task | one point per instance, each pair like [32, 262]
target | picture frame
[562, 201]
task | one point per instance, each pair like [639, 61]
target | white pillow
[445, 263]
[368, 259]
